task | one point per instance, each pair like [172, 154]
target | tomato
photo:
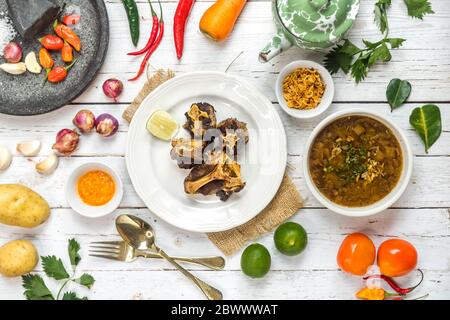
[356, 254]
[396, 257]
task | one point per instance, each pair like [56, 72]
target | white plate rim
[277, 179]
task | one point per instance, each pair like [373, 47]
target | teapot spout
[278, 44]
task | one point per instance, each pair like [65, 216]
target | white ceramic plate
[158, 180]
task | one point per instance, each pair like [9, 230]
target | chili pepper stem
[391, 282]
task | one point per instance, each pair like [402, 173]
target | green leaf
[72, 296]
[336, 60]
[418, 8]
[395, 42]
[349, 48]
[381, 53]
[427, 122]
[35, 288]
[380, 12]
[86, 280]
[397, 92]
[360, 69]
[73, 249]
[54, 268]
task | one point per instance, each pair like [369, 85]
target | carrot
[219, 20]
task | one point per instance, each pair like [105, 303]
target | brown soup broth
[355, 161]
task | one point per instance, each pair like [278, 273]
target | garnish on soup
[96, 188]
[355, 161]
[303, 89]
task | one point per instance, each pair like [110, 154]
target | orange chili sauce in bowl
[96, 188]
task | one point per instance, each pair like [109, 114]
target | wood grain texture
[422, 215]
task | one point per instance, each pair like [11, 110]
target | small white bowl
[327, 97]
[92, 211]
[389, 199]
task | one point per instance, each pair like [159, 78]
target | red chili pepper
[67, 53]
[391, 282]
[179, 24]
[153, 34]
[152, 48]
[71, 19]
[51, 42]
[59, 73]
[67, 34]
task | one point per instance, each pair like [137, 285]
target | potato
[17, 257]
[21, 206]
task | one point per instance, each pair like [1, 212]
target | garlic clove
[14, 68]
[29, 148]
[48, 165]
[32, 64]
[5, 158]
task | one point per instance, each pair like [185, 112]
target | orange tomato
[396, 257]
[356, 254]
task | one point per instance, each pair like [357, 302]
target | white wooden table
[421, 216]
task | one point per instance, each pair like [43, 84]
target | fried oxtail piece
[222, 179]
[200, 117]
[234, 133]
[187, 152]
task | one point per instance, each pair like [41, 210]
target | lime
[290, 238]
[255, 261]
[162, 125]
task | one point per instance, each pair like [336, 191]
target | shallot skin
[66, 142]
[84, 120]
[113, 88]
[106, 125]
[12, 52]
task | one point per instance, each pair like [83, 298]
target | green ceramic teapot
[310, 24]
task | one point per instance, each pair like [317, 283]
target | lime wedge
[162, 125]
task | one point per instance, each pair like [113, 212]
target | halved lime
[255, 261]
[162, 125]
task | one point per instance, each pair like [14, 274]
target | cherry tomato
[396, 257]
[356, 254]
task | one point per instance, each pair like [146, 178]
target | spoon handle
[214, 263]
[210, 292]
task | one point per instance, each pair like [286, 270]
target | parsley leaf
[380, 12]
[73, 249]
[54, 268]
[86, 280]
[380, 53]
[72, 296]
[35, 288]
[418, 8]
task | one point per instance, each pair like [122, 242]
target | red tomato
[356, 254]
[396, 257]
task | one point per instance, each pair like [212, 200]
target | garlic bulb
[48, 165]
[32, 64]
[14, 68]
[29, 148]
[5, 158]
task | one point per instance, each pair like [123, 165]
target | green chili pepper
[133, 19]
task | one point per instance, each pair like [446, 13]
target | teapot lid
[317, 21]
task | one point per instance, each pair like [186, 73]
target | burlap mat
[286, 202]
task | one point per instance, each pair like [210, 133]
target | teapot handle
[278, 44]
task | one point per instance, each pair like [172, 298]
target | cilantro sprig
[348, 57]
[35, 287]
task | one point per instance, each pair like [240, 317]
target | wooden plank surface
[421, 216]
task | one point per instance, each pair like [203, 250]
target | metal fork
[121, 251]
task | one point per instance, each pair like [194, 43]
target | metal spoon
[139, 234]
